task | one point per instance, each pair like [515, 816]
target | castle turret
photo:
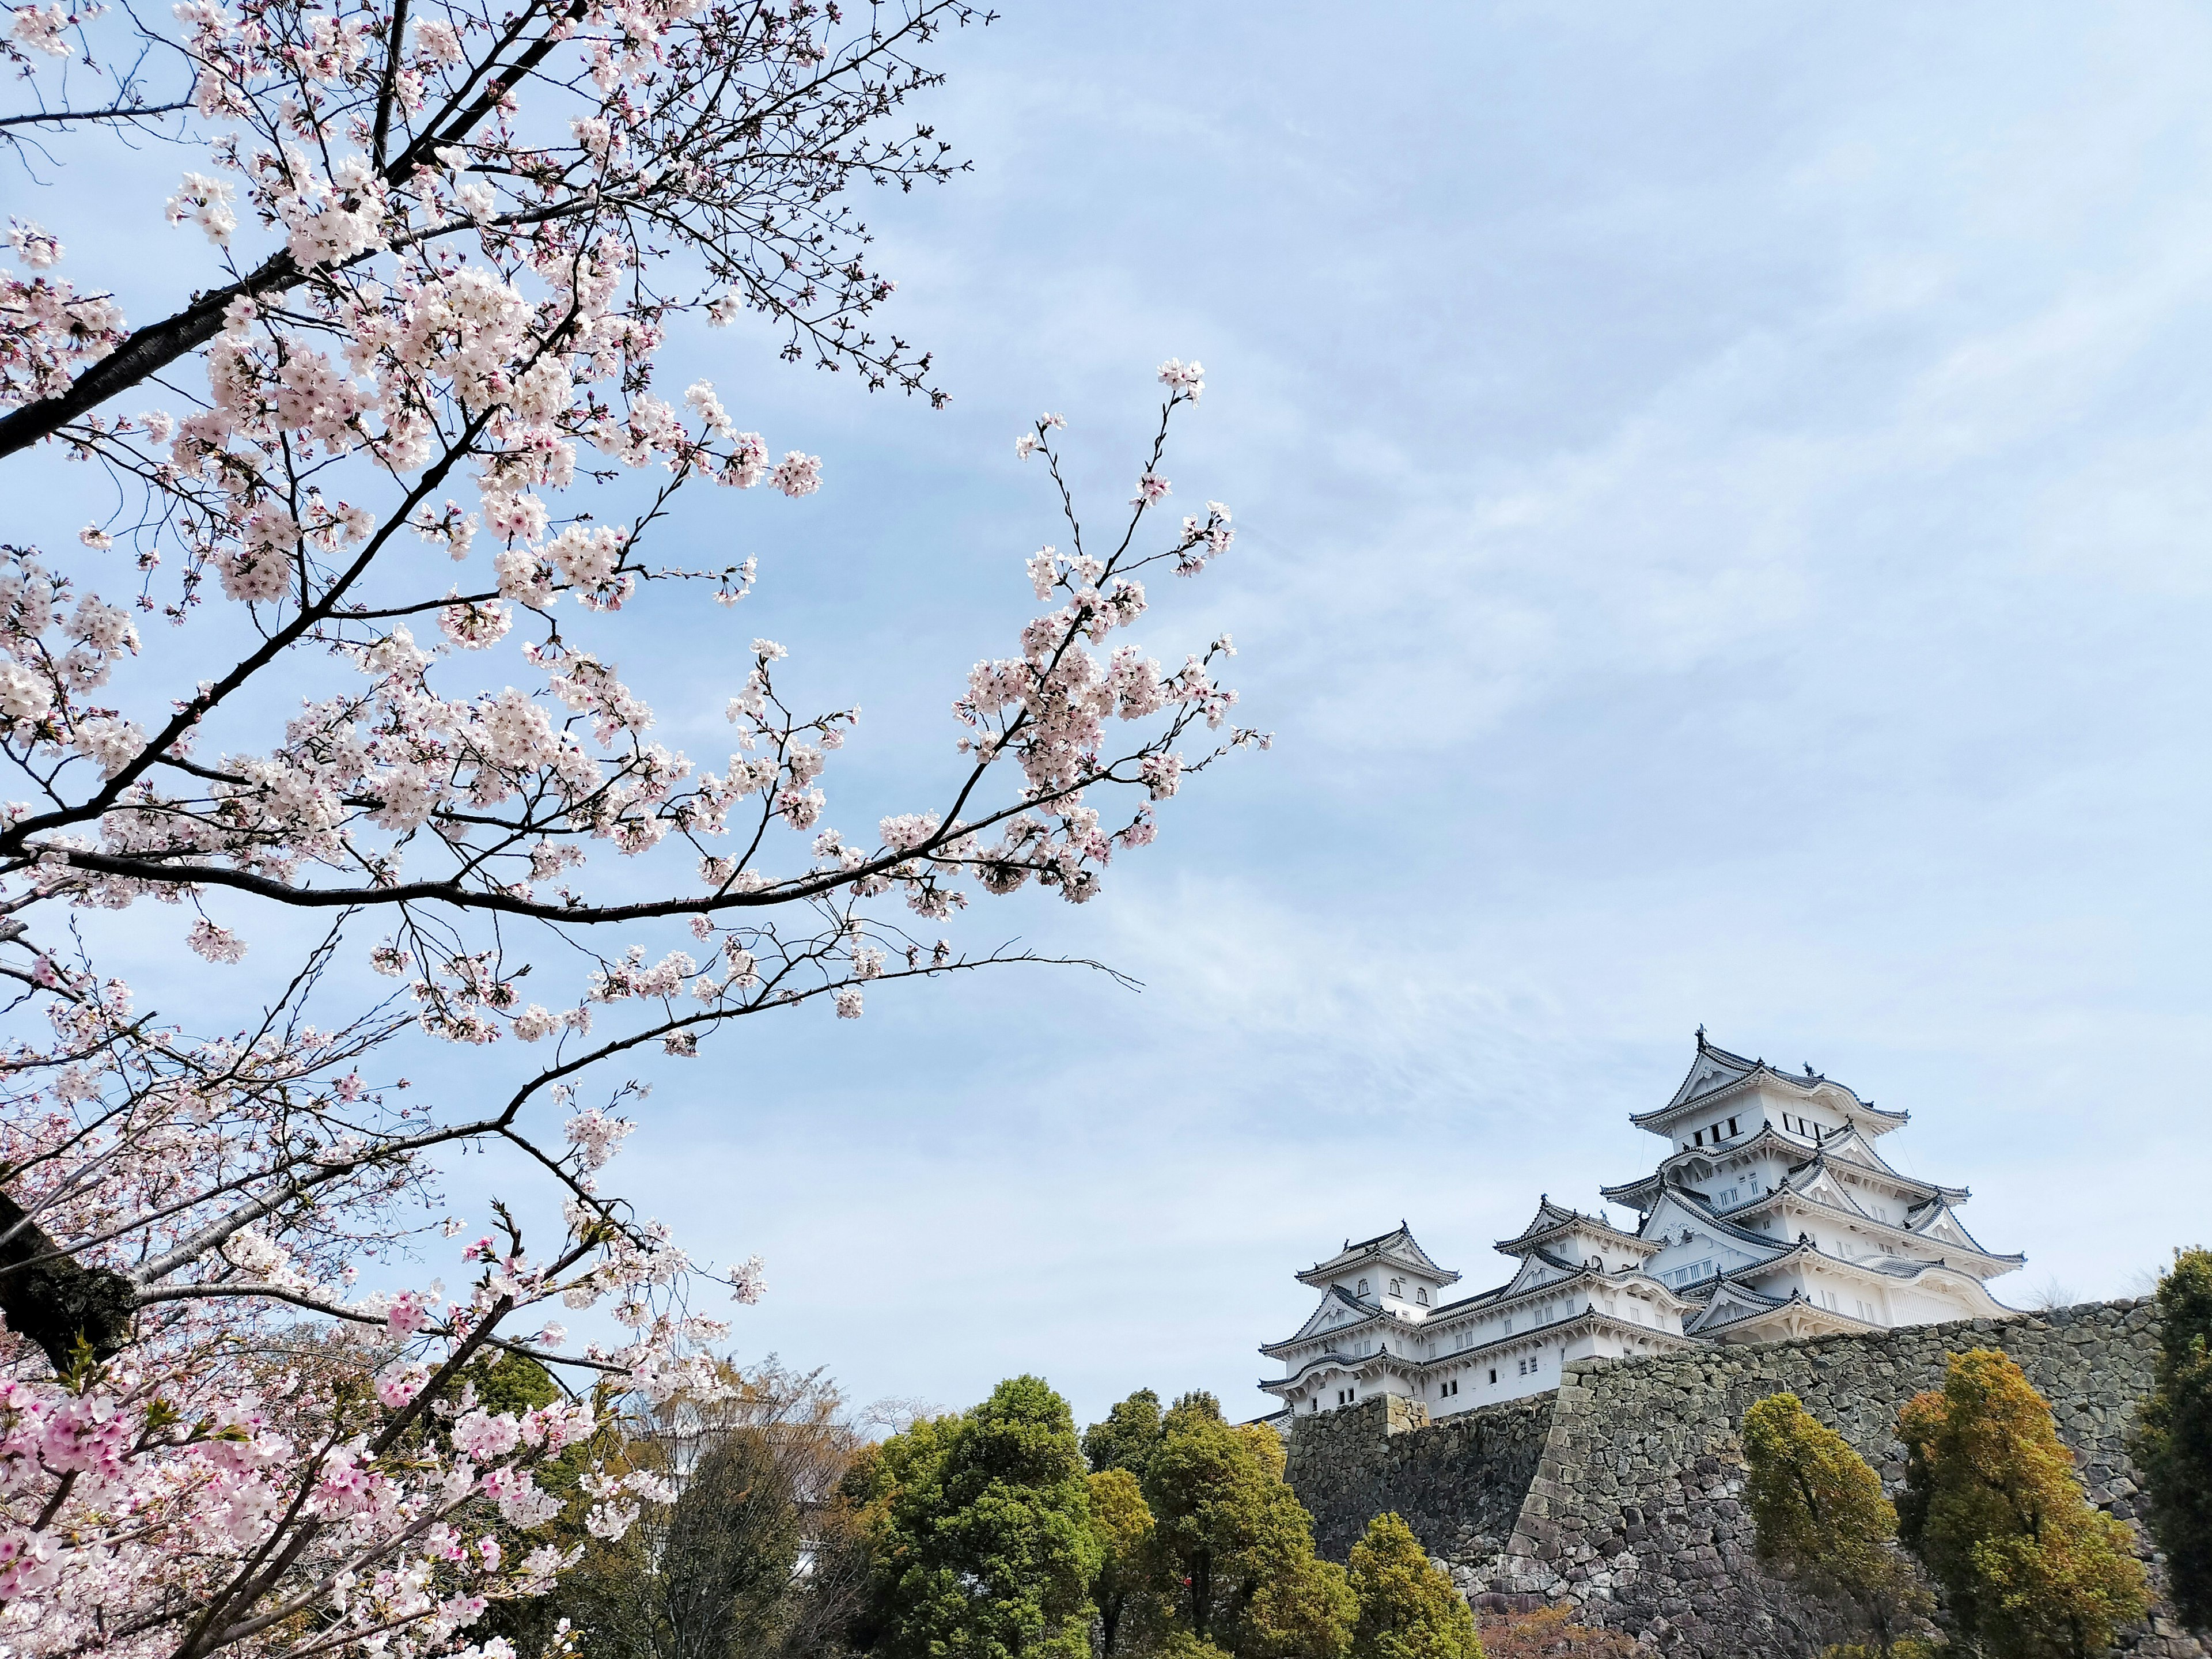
[1771, 1215]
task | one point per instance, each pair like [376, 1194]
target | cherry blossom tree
[411, 426]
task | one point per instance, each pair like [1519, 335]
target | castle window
[1731, 1125]
[1362, 1287]
[1421, 1294]
[1398, 1287]
[1700, 1138]
[1493, 1373]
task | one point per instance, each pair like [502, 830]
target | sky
[1722, 495]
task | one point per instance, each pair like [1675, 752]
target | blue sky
[1725, 543]
[1725, 505]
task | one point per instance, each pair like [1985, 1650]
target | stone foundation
[1460, 1484]
[1621, 1493]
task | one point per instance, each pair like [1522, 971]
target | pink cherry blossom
[433, 322]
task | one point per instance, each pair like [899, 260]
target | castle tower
[1771, 1215]
[1776, 1213]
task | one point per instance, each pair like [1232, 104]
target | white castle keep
[1770, 1216]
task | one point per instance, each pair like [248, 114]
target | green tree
[982, 1534]
[1125, 1440]
[2173, 1439]
[1992, 1504]
[1181, 1644]
[1122, 1525]
[1820, 1518]
[1232, 1546]
[758, 1556]
[1407, 1608]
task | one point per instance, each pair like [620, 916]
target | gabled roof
[1811, 1195]
[1850, 1145]
[1551, 1221]
[1537, 1269]
[1714, 1072]
[1338, 1301]
[1525, 1284]
[1938, 1222]
[1872, 1267]
[1728, 1302]
[1712, 1069]
[1847, 1145]
[1853, 1147]
[1351, 1363]
[1701, 1211]
[1397, 1247]
[1745, 1310]
[1813, 1182]
[1639, 1194]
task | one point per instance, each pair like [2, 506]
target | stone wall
[1460, 1484]
[1632, 1510]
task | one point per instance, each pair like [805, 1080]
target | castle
[1770, 1216]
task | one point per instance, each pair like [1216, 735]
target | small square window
[1493, 1373]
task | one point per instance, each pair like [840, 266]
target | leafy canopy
[1407, 1608]
[2173, 1443]
[1992, 1504]
[982, 1533]
[1125, 1440]
[1123, 1591]
[1820, 1517]
[1232, 1545]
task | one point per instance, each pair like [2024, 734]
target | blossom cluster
[397, 468]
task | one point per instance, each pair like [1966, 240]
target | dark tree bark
[49, 1297]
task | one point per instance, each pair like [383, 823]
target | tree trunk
[49, 1297]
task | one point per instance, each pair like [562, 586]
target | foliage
[982, 1533]
[391, 475]
[508, 1382]
[1233, 1546]
[2174, 1440]
[1993, 1505]
[1407, 1608]
[1181, 1644]
[1125, 1440]
[1820, 1517]
[1122, 1592]
[1549, 1633]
